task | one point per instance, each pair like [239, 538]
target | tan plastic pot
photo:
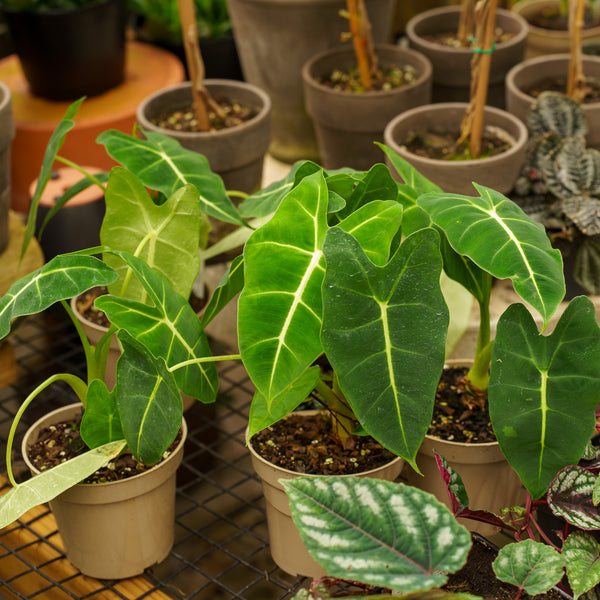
[274, 39]
[287, 548]
[452, 66]
[115, 530]
[540, 41]
[535, 71]
[235, 153]
[490, 481]
[347, 124]
[7, 134]
[497, 172]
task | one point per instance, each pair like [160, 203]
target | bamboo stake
[466, 23]
[472, 124]
[576, 87]
[360, 49]
[194, 61]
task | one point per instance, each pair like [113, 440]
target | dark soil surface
[448, 38]
[460, 413]
[303, 444]
[61, 442]
[387, 78]
[184, 118]
[443, 145]
[559, 84]
[552, 19]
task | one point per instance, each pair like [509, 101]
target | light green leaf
[281, 307]
[368, 307]
[378, 532]
[163, 235]
[49, 484]
[544, 390]
[59, 279]
[149, 403]
[582, 557]
[596, 493]
[230, 285]
[500, 238]
[163, 164]
[529, 565]
[169, 328]
[100, 423]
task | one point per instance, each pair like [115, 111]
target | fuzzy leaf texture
[163, 235]
[61, 278]
[544, 390]
[169, 329]
[582, 556]
[366, 306]
[529, 565]
[501, 239]
[45, 486]
[149, 403]
[378, 532]
[162, 164]
[587, 265]
[556, 113]
[570, 496]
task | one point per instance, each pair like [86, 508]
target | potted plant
[445, 35]
[274, 40]
[352, 93]
[547, 22]
[454, 144]
[78, 48]
[158, 22]
[565, 206]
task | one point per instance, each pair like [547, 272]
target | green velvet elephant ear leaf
[530, 566]
[494, 233]
[100, 423]
[45, 486]
[378, 532]
[61, 278]
[544, 390]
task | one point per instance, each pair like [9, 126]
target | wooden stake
[466, 23]
[360, 43]
[195, 65]
[576, 87]
[472, 125]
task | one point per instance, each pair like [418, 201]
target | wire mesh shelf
[221, 546]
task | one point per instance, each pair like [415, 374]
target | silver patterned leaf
[557, 113]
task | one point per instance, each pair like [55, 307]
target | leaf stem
[87, 174]
[204, 359]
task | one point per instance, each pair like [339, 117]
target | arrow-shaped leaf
[368, 307]
[378, 532]
[100, 422]
[544, 390]
[61, 278]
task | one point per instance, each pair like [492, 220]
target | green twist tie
[480, 50]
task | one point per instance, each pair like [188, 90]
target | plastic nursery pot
[235, 153]
[117, 529]
[69, 53]
[452, 66]
[497, 172]
[532, 73]
[7, 134]
[542, 41]
[347, 123]
[287, 548]
[274, 39]
[490, 481]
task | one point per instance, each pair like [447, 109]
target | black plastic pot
[66, 54]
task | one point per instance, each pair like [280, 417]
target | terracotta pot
[452, 66]
[69, 53]
[274, 39]
[490, 481]
[7, 134]
[497, 172]
[235, 153]
[115, 530]
[287, 548]
[347, 124]
[541, 41]
[534, 71]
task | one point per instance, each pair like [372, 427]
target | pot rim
[262, 114]
[522, 7]
[425, 70]
[518, 38]
[520, 141]
[104, 485]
